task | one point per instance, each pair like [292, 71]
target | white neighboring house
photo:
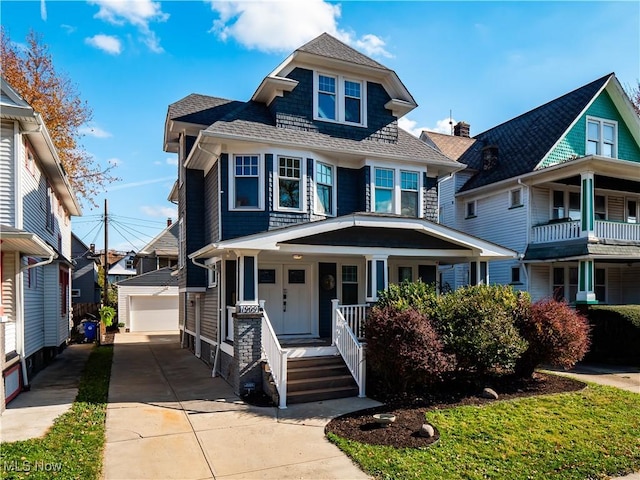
[559, 184]
[122, 269]
[36, 205]
[149, 302]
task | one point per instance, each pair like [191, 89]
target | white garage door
[154, 313]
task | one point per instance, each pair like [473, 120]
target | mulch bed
[409, 412]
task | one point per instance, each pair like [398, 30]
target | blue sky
[486, 62]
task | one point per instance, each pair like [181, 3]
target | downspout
[23, 360]
[215, 358]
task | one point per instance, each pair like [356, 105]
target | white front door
[286, 290]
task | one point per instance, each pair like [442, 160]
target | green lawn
[593, 433]
[72, 449]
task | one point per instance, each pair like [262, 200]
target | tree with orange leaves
[32, 74]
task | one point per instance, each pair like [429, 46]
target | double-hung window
[289, 182]
[409, 193]
[324, 189]
[633, 211]
[601, 137]
[339, 99]
[566, 205]
[384, 185]
[246, 182]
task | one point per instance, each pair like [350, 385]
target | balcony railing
[604, 230]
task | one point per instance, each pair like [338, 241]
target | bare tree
[32, 74]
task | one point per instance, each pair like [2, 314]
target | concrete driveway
[167, 418]
[626, 378]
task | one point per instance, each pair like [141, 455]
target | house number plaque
[248, 308]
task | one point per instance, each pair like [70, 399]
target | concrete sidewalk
[167, 418]
[52, 392]
[626, 378]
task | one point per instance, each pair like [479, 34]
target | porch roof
[365, 234]
[16, 240]
[581, 249]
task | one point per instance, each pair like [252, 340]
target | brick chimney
[461, 129]
[169, 222]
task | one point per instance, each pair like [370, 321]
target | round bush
[477, 324]
[557, 335]
[404, 351]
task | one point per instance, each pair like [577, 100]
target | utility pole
[105, 289]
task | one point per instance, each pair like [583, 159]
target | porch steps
[312, 379]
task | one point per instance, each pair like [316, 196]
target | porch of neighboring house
[300, 301]
[584, 243]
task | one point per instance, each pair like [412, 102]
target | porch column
[377, 275]
[587, 211]
[586, 280]
[247, 276]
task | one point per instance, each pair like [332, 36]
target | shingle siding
[211, 199]
[194, 227]
[430, 198]
[351, 186]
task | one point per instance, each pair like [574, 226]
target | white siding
[8, 299]
[539, 205]
[209, 322]
[629, 285]
[34, 308]
[7, 175]
[539, 281]
[615, 208]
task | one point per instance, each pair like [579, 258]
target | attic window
[339, 99]
[601, 137]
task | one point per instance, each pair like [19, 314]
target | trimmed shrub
[615, 334]
[477, 324]
[404, 351]
[417, 295]
[556, 333]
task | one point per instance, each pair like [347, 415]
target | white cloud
[106, 43]
[68, 28]
[116, 162]
[442, 126]
[43, 10]
[138, 13]
[94, 130]
[284, 25]
[159, 211]
[141, 183]
[173, 161]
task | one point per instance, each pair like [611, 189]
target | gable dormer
[325, 85]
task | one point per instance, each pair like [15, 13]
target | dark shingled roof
[254, 122]
[523, 141]
[156, 278]
[327, 46]
[164, 244]
[201, 109]
[579, 248]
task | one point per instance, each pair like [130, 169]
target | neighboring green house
[559, 184]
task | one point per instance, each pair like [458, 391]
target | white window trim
[511, 192]
[232, 183]
[334, 189]
[397, 188]
[213, 274]
[602, 122]
[75, 292]
[303, 184]
[340, 98]
[475, 209]
[626, 208]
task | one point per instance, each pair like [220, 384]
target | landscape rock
[426, 430]
[489, 393]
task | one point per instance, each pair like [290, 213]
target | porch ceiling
[582, 249]
[601, 166]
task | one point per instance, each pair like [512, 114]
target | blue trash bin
[90, 330]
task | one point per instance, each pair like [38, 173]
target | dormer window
[339, 99]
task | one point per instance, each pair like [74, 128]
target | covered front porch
[307, 287]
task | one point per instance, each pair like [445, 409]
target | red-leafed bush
[404, 351]
[556, 333]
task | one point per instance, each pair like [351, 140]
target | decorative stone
[426, 431]
[489, 393]
[384, 418]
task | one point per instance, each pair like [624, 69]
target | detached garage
[149, 302]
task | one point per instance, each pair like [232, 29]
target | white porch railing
[355, 316]
[350, 348]
[617, 230]
[605, 230]
[555, 232]
[276, 358]
[228, 325]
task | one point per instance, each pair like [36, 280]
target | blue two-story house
[296, 208]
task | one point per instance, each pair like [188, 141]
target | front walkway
[626, 378]
[167, 418]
